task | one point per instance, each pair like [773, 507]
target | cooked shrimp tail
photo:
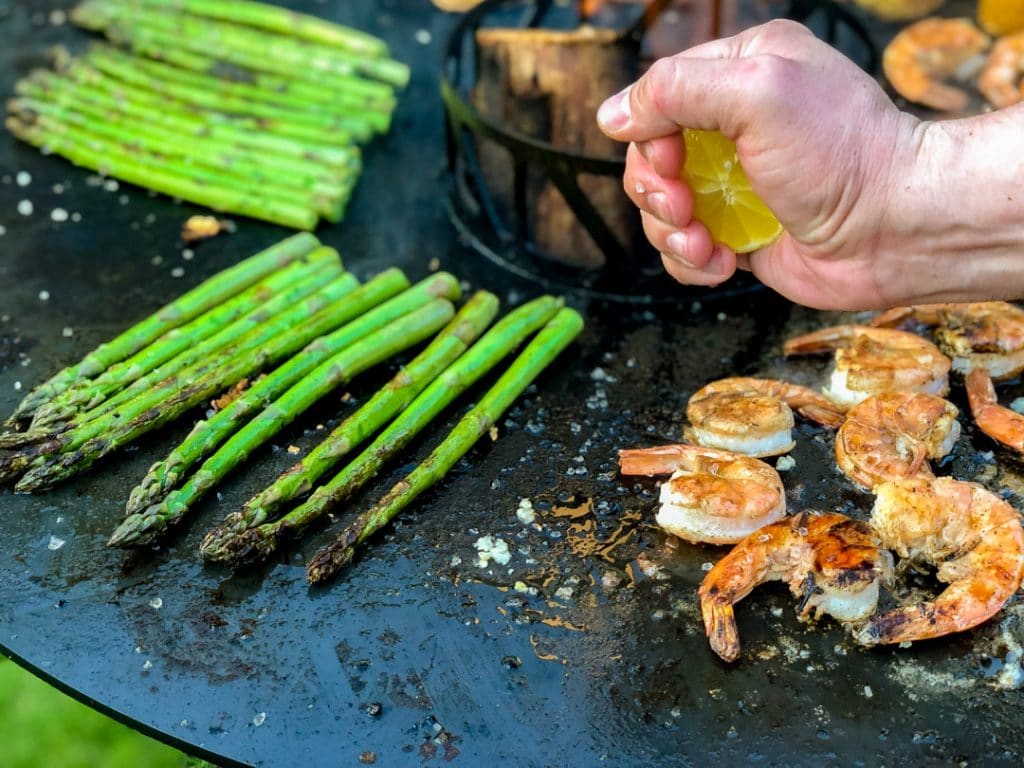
[720, 627]
[998, 422]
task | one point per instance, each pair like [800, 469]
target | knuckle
[657, 88]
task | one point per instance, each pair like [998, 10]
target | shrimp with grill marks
[892, 435]
[872, 360]
[753, 416]
[985, 334]
[713, 496]
[832, 563]
[925, 53]
[971, 534]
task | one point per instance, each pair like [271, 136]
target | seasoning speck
[44, 295]
[785, 463]
[490, 548]
[17, 386]
[55, 544]
[294, 449]
[3, 230]
[59, 214]
[259, 719]
[156, 603]
[23, 178]
[111, 185]
[68, 332]
[868, 693]
[25, 207]
[178, 272]
[423, 36]
[188, 254]
[525, 512]
[76, 217]
[57, 18]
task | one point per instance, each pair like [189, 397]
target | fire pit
[534, 186]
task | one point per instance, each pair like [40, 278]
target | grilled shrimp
[924, 53]
[871, 360]
[713, 496]
[832, 563]
[892, 435]
[1001, 424]
[970, 533]
[753, 416]
[989, 334]
[1002, 79]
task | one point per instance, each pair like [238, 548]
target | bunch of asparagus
[292, 302]
[239, 106]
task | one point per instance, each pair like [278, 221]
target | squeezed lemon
[723, 200]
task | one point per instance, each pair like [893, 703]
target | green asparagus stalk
[81, 447]
[129, 18]
[245, 535]
[290, 23]
[301, 175]
[89, 88]
[165, 178]
[147, 526]
[81, 72]
[207, 435]
[554, 337]
[325, 198]
[91, 392]
[227, 99]
[206, 295]
[338, 101]
[149, 392]
[250, 330]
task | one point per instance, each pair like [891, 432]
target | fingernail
[676, 244]
[657, 204]
[614, 113]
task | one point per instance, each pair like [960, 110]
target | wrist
[954, 224]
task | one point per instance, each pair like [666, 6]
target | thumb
[698, 88]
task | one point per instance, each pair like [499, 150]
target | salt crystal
[110, 185]
[148, 665]
[23, 178]
[3, 230]
[59, 214]
[76, 217]
[707, 567]
[423, 36]
[259, 719]
[188, 254]
[525, 512]
[58, 17]
[156, 603]
[785, 463]
[178, 272]
[68, 332]
[58, 189]
[44, 295]
[25, 207]
[17, 386]
[55, 544]
[868, 693]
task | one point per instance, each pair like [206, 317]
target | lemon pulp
[722, 198]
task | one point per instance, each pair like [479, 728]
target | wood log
[547, 84]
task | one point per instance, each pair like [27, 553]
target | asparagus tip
[137, 529]
[329, 561]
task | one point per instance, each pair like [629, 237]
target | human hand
[821, 143]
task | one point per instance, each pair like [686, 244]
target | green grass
[39, 725]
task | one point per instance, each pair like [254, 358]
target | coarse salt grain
[68, 332]
[423, 36]
[59, 214]
[76, 216]
[55, 543]
[3, 230]
[44, 295]
[110, 185]
[178, 272]
[25, 207]
[17, 386]
[23, 178]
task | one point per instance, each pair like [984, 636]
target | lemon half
[723, 199]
